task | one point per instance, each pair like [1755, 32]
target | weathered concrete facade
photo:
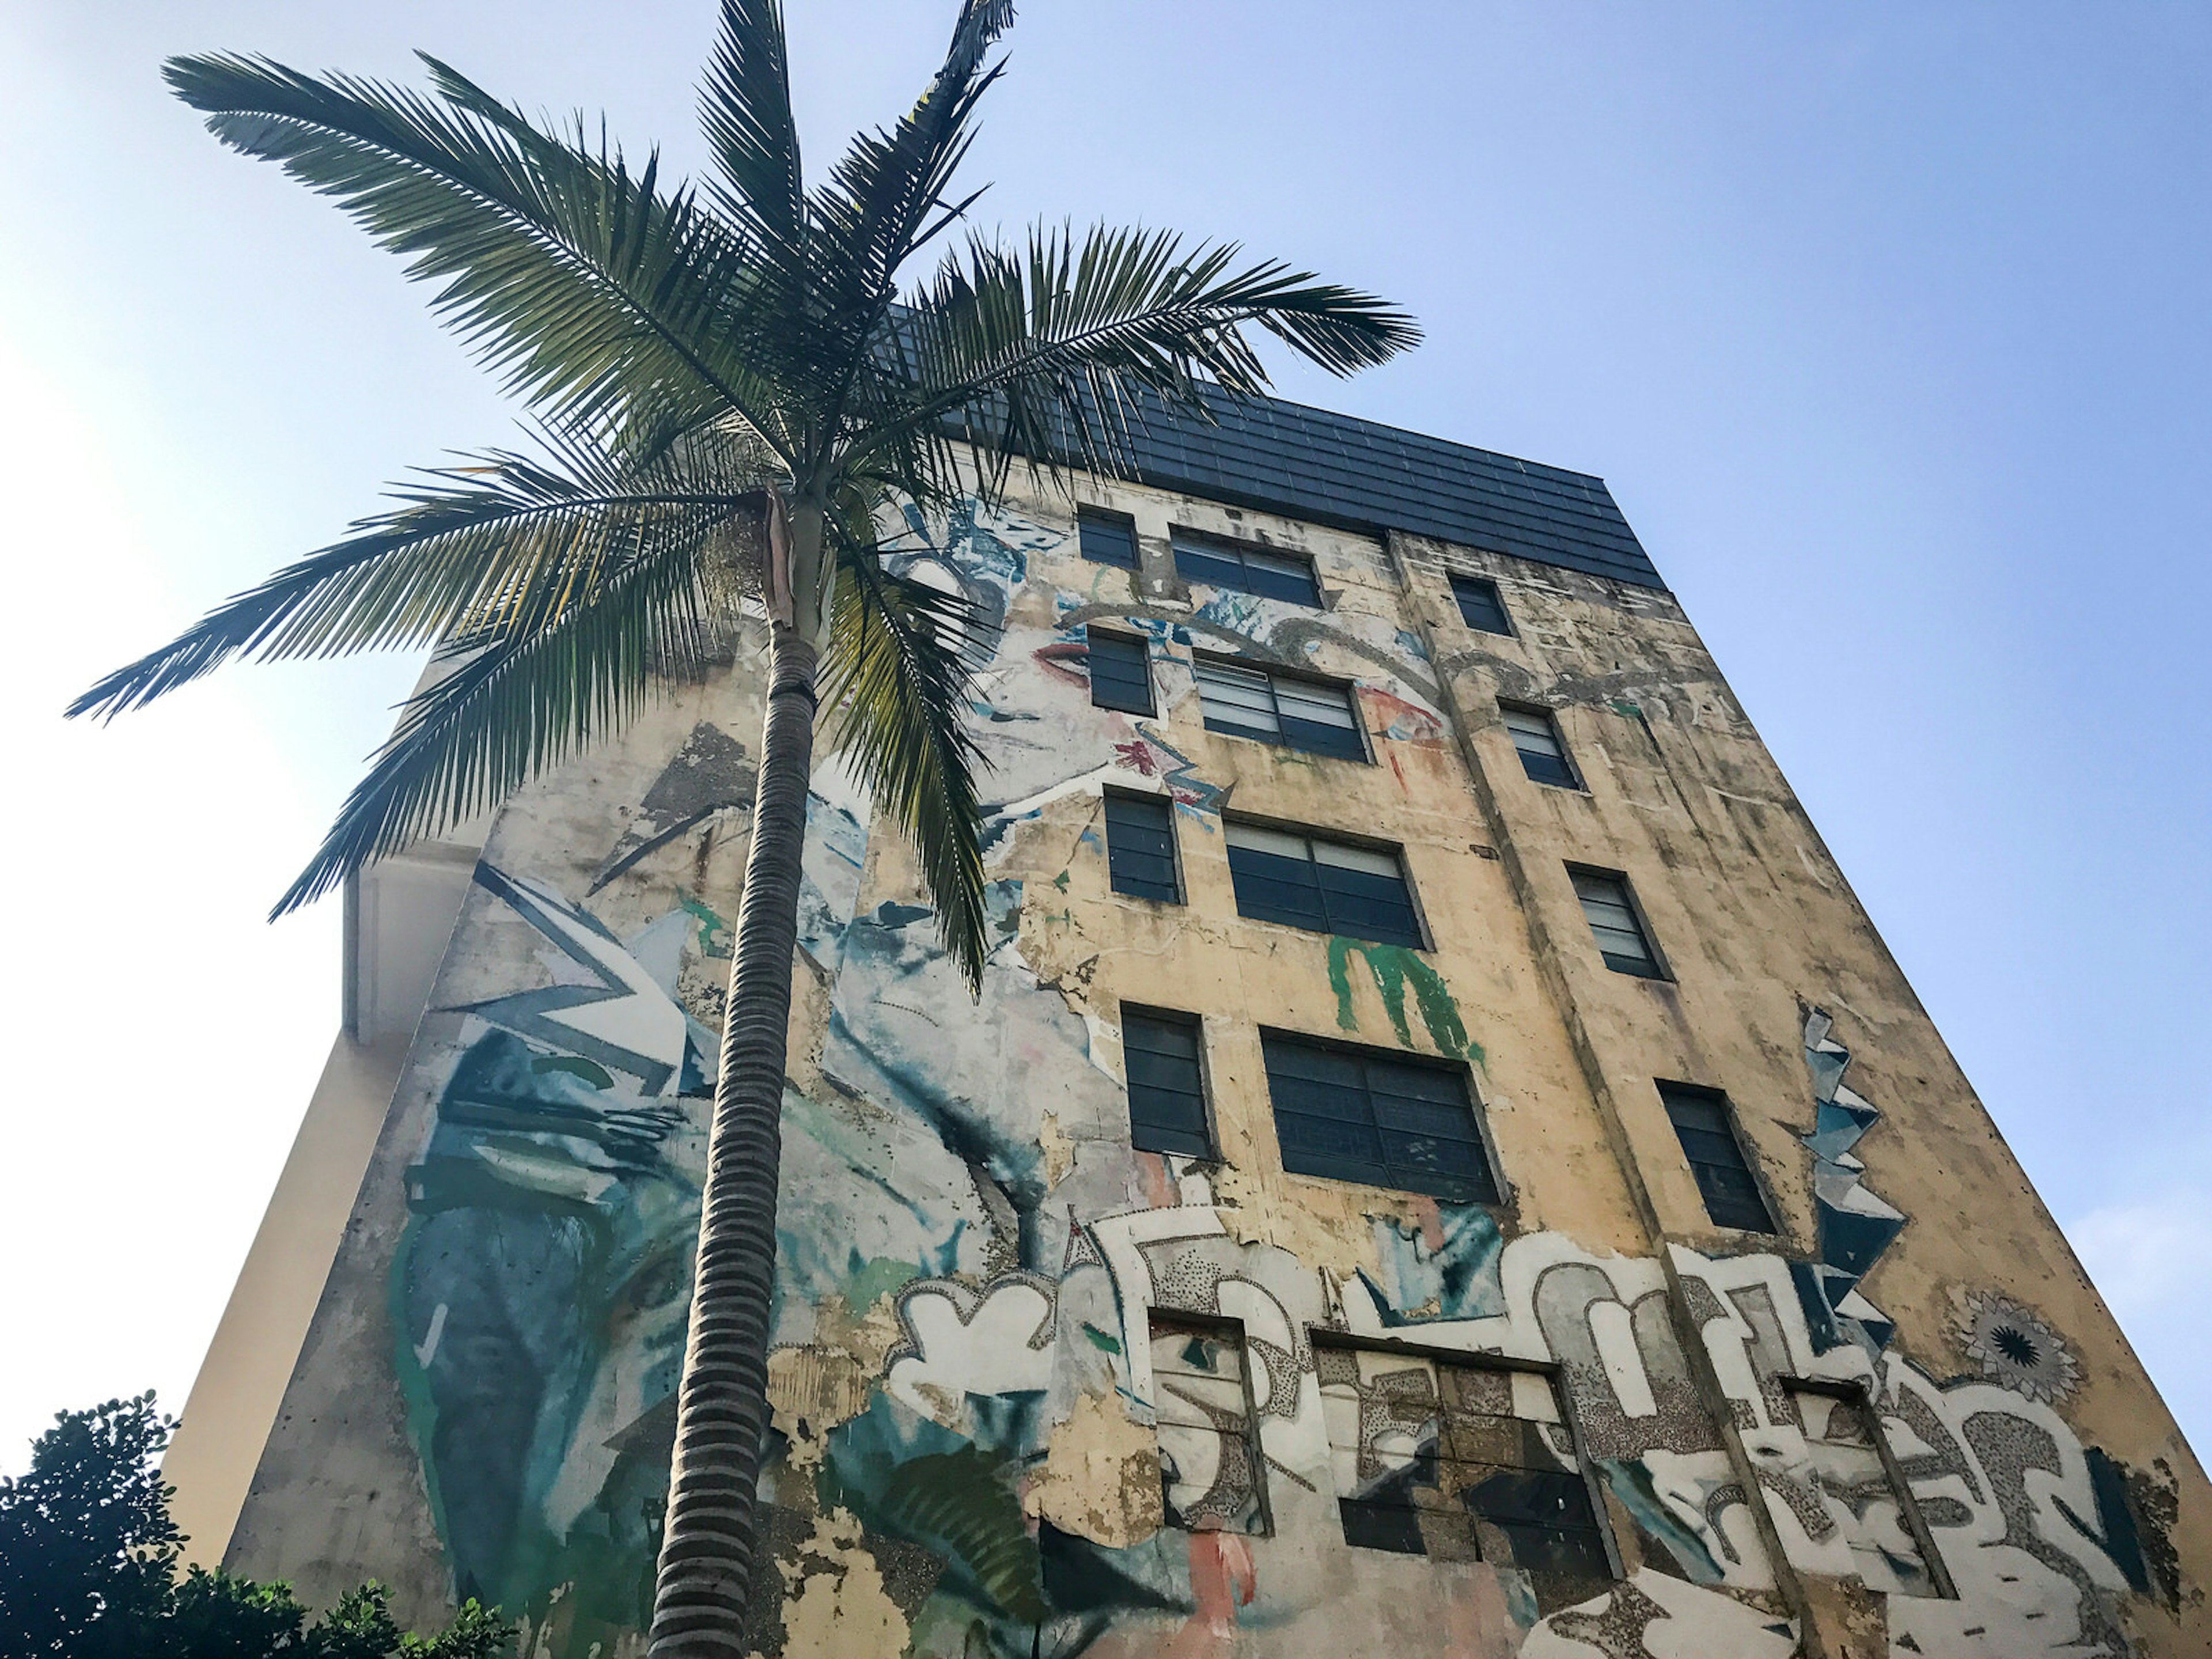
[1001, 1325]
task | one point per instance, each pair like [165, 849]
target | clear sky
[1888, 324]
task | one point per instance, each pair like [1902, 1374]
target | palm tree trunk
[722, 1410]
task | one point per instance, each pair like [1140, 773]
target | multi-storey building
[1441, 1162]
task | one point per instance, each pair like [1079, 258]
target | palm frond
[878, 204]
[745, 108]
[903, 692]
[1050, 352]
[518, 703]
[507, 544]
[571, 276]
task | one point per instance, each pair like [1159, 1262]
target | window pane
[1141, 847]
[1716, 1158]
[1324, 705]
[1273, 577]
[1531, 731]
[1354, 1114]
[1480, 607]
[1121, 675]
[1368, 860]
[1613, 923]
[1372, 906]
[1107, 541]
[1167, 1099]
[1237, 700]
[1254, 838]
[1197, 562]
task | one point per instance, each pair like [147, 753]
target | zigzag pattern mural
[1855, 1227]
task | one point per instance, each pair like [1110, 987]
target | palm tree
[732, 384]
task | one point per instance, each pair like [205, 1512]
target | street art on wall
[1038, 1394]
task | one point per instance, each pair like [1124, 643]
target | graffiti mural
[1040, 1394]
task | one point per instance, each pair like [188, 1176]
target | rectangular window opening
[1535, 734]
[1121, 672]
[1366, 1114]
[1167, 1083]
[1480, 606]
[1615, 923]
[1210, 1463]
[1704, 1125]
[1106, 537]
[1140, 847]
[1329, 886]
[1255, 570]
[1459, 1462]
[1279, 709]
[1851, 1468]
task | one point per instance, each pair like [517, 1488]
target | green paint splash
[714, 931]
[1394, 968]
[1100, 1340]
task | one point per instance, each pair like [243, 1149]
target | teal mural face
[541, 1285]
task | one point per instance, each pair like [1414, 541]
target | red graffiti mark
[1400, 720]
[1222, 1580]
[1398, 771]
[1160, 1185]
[1431, 1222]
[1139, 757]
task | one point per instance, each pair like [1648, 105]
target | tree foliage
[88, 1558]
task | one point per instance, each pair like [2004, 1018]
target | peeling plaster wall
[968, 1411]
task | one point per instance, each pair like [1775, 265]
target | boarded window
[1305, 881]
[1249, 703]
[1140, 855]
[1209, 1464]
[1167, 1088]
[1247, 570]
[1615, 925]
[1367, 1115]
[1856, 1484]
[1480, 607]
[1536, 739]
[1120, 672]
[1701, 1123]
[1459, 1462]
[1107, 538]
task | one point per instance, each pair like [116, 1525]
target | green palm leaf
[589, 291]
[518, 703]
[903, 694]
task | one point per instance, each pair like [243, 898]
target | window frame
[1425, 940]
[1455, 579]
[1221, 1325]
[1323, 1336]
[1660, 970]
[1855, 1392]
[1507, 709]
[1207, 541]
[1108, 516]
[1746, 1154]
[1196, 1026]
[1174, 843]
[1093, 633]
[1348, 689]
[1472, 1094]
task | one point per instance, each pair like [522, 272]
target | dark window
[1537, 737]
[1701, 1124]
[1456, 1462]
[1209, 1457]
[1248, 703]
[1120, 672]
[1326, 885]
[1167, 1094]
[1140, 856]
[1362, 1114]
[1107, 539]
[1480, 607]
[1616, 927]
[1248, 569]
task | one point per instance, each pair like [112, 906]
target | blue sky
[1888, 324]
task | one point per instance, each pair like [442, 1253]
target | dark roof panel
[1333, 468]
